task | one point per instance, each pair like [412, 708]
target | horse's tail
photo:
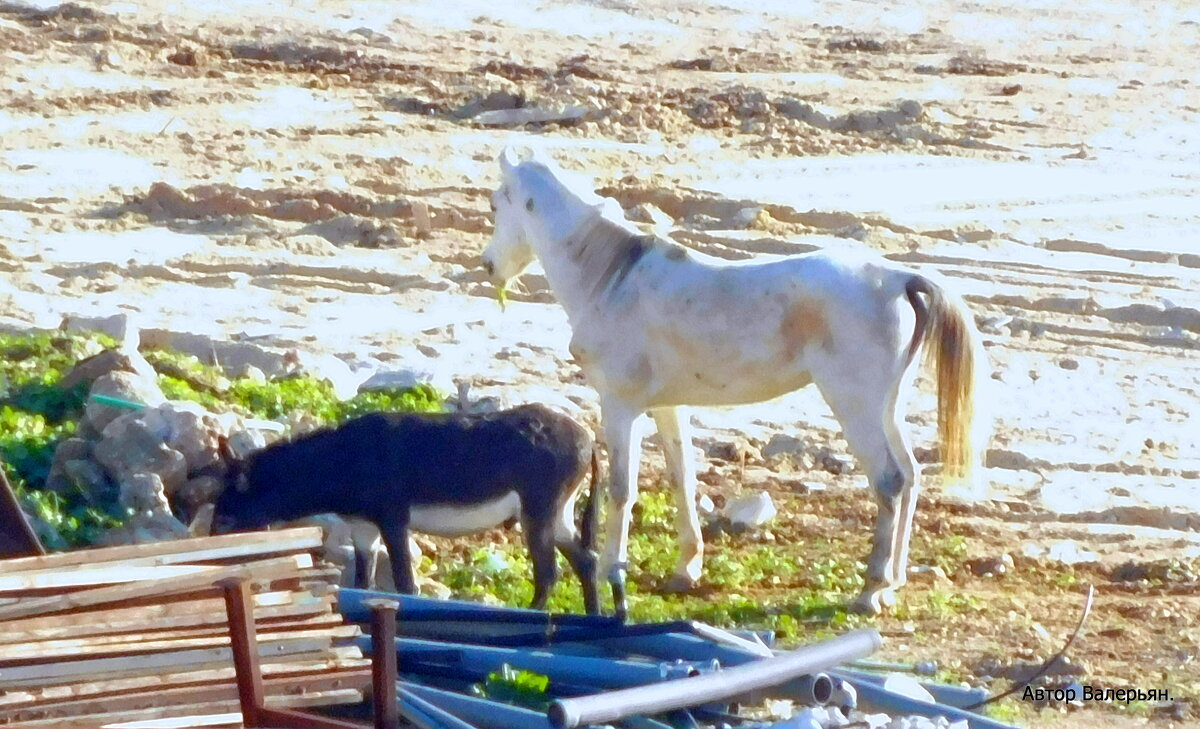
[591, 508]
[946, 327]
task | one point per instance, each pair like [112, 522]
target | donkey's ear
[226, 451]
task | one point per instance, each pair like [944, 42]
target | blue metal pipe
[600, 673]
[480, 712]
[676, 646]
[511, 626]
[416, 608]
[892, 703]
[424, 714]
[942, 693]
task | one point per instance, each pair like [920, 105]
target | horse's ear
[508, 160]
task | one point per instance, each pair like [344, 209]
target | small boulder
[71, 449]
[831, 462]
[196, 492]
[144, 492]
[130, 447]
[88, 477]
[110, 360]
[144, 528]
[123, 386]
[785, 446]
[192, 432]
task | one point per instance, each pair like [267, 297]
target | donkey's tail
[591, 508]
[946, 326]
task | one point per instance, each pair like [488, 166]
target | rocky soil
[256, 181]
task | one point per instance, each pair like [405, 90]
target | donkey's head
[536, 204]
[240, 507]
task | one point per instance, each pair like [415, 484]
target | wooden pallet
[131, 633]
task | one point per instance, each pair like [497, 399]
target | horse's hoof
[678, 585]
[866, 604]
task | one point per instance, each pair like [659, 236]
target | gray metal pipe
[814, 689]
[712, 687]
[956, 696]
[893, 703]
[482, 713]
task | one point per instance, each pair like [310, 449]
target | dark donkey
[444, 474]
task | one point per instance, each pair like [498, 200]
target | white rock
[804, 719]
[907, 686]
[844, 695]
[1068, 552]
[751, 511]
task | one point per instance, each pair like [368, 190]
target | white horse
[656, 326]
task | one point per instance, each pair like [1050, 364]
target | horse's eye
[529, 205]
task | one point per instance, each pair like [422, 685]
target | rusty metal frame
[239, 607]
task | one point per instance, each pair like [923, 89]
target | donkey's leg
[394, 529]
[624, 452]
[861, 410]
[676, 438]
[581, 559]
[539, 537]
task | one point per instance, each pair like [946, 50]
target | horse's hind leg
[867, 415]
[677, 448]
[907, 463]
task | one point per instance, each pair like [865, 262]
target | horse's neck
[586, 261]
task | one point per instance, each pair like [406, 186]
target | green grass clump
[36, 414]
[520, 688]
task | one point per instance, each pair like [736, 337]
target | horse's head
[536, 204]
[509, 252]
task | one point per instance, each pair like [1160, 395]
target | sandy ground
[296, 175]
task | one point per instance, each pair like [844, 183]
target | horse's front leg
[624, 451]
[676, 436]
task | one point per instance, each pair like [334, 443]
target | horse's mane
[604, 243]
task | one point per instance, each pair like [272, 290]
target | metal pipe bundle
[709, 688]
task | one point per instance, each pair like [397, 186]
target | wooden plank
[18, 657]
[196, 549]
[168, 615]
[297, 701]
[230, 719]
[91, 576]
[213, 691]
[47, 673]
[130, 641]
[76, 672]
[296, 671]
[264, 569]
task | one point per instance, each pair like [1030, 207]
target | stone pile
[160, 461]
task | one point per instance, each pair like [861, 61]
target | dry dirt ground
[313, 176]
